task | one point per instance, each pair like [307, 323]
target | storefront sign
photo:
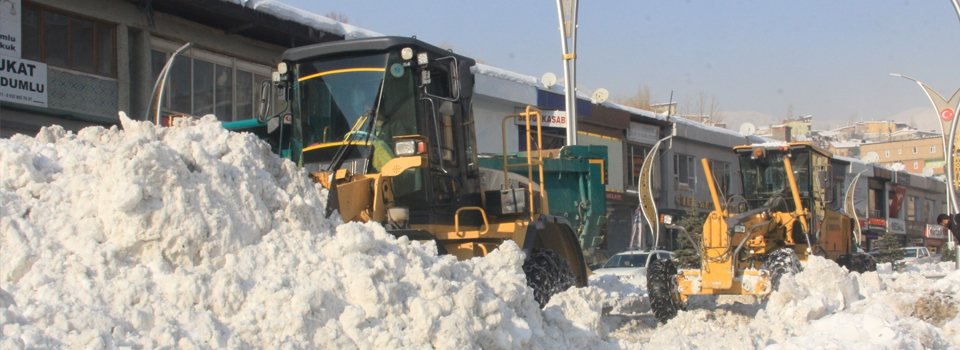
[684, 201]
[916, 241]
[643, 133]
[915, 227]
[876, 224]
[934, 231]
[897, 226]
[903, 178]
[23, 81]
[553, 119]
[615, 196]
[10, 11]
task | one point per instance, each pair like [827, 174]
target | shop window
[69, 41]
[721, 176]
[637, 155]
[553, 138]
[911, 208]
[684, 173]
[223, 86]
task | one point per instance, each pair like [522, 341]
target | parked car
[632, 263]
[913, 255]
[918, 255]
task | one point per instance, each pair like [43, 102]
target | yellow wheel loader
[792, 207]
[386, 124]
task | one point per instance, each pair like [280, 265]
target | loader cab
[818, 176]
[357, 104]
[765, 181]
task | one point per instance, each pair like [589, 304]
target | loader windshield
[362, 101]
[765, 177]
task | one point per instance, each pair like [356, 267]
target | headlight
[739, 228]
[406, 53]
[422, 59]
[409, 148]
[666, 219]
[282, 68]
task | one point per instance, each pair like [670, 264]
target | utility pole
[568, 32]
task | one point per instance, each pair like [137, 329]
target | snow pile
[824, 306]
[194, 237]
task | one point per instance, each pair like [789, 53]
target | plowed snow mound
[824, 306]
[195, 237]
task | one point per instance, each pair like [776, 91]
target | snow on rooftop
[773, 143]
[313, 20]
[496, 72]
[845, 144]
[504, 74]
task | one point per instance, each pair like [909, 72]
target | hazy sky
[831, 59]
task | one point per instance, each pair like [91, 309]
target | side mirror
[264, 105]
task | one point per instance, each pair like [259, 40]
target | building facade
[915, 154]
[93, 58]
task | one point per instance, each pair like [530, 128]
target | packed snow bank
[824, 306]
[195, 237]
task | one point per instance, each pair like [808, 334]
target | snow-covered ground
[193, 237]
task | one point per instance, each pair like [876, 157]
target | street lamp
[568, 30]
[946, 110]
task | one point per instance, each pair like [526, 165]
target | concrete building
[801, 126]
[877, 130]
[915, 154]
[96, 57]
[900, 202]
[849, 148]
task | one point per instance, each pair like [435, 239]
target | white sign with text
[897, 226]
[10, 11]
[643, 133]
[23, 81]
[553, 119]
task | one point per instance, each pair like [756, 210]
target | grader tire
[780, 263]
[662, 290]
[547, 274]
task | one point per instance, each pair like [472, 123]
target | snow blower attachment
[386, 124]
[792, 210]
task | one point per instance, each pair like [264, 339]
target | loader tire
[850, 261]
[857, 262]
[548, 273]
[867, 263]
[780, 263]
[662, 290]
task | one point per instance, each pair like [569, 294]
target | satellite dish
[871, 157]
[927, 171]
[601, 95]
[548, 79]
[748, 129]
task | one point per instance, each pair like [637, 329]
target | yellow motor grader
[792, 207]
